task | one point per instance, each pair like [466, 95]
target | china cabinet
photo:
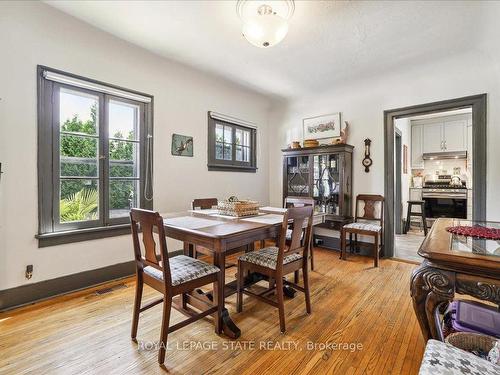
[325, 174]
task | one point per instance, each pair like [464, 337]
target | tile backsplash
[447, 166]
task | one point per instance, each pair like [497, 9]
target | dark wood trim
[479, 129]
[230, 165]
[36, 292]
[41, 68]
[27, 294]
[231, 168]
[79, 235]
[50, 232]
[325, 149]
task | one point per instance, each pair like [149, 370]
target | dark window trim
[47, 233]
[231, 165]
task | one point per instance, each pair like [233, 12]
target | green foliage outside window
[79, 157]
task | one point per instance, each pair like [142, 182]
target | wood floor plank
[352, 302]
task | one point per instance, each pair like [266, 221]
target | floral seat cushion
[364, 226]
[443, 359]
[183, 269]
[268, 257]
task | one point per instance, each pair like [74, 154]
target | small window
[94, 157]
[231, 145]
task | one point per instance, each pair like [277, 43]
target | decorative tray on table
[238, 208]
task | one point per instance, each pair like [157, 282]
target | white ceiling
[329, 42]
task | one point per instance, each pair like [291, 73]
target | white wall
[362, 103]
[34, 33]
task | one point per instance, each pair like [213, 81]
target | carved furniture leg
[430, 288]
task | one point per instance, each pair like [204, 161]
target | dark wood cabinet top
[325, 149]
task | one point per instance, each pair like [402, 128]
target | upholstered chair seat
[267, 257]
[364, 226]
[183, 269]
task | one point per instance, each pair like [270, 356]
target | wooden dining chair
[300, 202]
[277, 261]
[364, 225]
[175, 276]
[203, 204]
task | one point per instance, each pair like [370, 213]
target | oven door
[445, 206]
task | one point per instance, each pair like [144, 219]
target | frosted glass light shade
[265, 30]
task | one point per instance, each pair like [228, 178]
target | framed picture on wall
[321, 127]
[182, 145]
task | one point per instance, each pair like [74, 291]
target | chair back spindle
[204, 203]
[370, 211]
[300, 217]
[147, 222]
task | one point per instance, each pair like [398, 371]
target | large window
[231, 144]
[94, 157]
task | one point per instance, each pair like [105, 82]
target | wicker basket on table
[471, 342]
[238, 208]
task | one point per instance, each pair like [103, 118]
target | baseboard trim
[36, 292]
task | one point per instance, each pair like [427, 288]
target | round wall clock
[367, 161]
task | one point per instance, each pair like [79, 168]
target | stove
[444, 200]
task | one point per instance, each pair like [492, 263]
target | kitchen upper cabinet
[433, 137]
[417, 162]
[455, 135]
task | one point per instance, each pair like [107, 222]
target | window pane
[78, 156]
[123, 159]
[79, 200]
[228, 134]
[246, 138]
[228, 151]
[78, 167]
[123, 195]
[218, 151]
[78, 112]
[239, 138]
[239, 153]
[123, 120]
[246, 154]
[219, 133]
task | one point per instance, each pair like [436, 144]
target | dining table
[455, 261]
[223, 236]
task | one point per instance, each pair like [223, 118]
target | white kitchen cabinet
[455, 135]
[433, 137]
[417, 162]
[439, 135]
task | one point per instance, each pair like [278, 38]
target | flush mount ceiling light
[265, 23]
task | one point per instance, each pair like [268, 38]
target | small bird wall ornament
[183, 146]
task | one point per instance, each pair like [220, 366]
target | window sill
[231, 168]
[60, 238]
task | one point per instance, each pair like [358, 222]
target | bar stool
[420, 214]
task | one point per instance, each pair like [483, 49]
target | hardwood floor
[352, 303]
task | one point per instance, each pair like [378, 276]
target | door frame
[398, 193]
[478, 104]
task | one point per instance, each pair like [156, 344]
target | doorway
[398, 165]
[477, 104]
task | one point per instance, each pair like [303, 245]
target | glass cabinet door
[298, 170]
[326, 184]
